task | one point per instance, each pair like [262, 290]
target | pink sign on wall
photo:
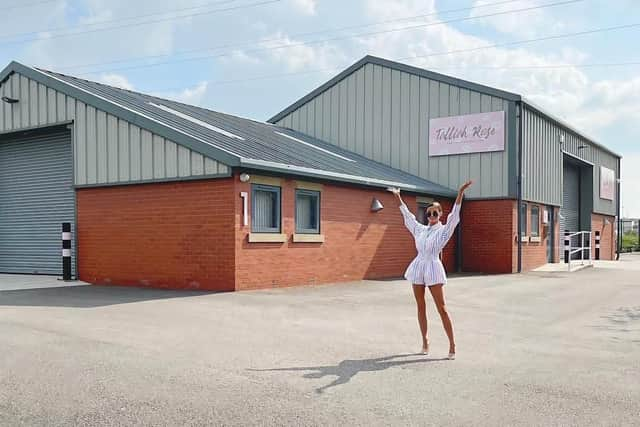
[607, 176]
[471, 133]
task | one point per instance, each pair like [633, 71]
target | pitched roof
[369, 59]
[421, 72]
[235, 141]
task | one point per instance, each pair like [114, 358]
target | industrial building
[536, 176]
[163, 194]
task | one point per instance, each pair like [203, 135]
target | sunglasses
[434, 214]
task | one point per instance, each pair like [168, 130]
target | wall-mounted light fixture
[244, 177]
[9, 100]
[376, 205]
[582, 147]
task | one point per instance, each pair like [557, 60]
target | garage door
[570, 211]
[36, 197]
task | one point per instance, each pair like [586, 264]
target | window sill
[267, 238]
[308, 238]
[535, 239]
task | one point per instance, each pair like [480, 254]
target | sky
[578, 59]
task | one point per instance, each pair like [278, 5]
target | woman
[426, 270]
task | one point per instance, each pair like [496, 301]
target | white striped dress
[426, 268]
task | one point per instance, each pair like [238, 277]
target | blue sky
[257, 56]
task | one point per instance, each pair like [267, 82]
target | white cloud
[192, 95]
[390, 9]
[240, 57]
[52, 51]
[116, 80]
[523, 24]
[281, 49]
[307, 7]
[566, 92]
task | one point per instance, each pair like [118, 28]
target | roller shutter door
[570, 211]
[36, 197]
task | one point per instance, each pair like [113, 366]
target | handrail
[580, 249]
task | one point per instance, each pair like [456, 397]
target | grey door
[551, 237]
[36, 197]
[570, 210]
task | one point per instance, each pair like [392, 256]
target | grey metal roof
[437, 77]
[235, 141]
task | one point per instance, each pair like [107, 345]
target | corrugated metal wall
[36, 197]
[384, 115]
[107, 150]
[542, 162]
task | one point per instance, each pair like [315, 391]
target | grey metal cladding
[390, 109]
[542, 161]
[106, 148]
[36, 197]
[569, 128]
[389, 123]
[257, 145]
[420, 72]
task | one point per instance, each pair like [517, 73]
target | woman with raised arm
[426, 270]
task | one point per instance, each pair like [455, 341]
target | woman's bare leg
[437, 292]
[418, 293]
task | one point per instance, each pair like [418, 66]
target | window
[523, 219]
[307, 212]
[535, 221]
[265, 209]
[422, 213]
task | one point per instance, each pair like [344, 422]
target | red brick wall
[169, 235]
[358, 243]
[488, 236]
[607, 236]
[534, 254]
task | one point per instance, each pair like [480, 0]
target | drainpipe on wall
[519, 114]
[619, 236]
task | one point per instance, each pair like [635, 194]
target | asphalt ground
[542, 348]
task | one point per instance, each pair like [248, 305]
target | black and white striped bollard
[567, 243]
[597, 245]
[66, 251]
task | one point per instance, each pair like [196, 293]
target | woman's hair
[435, 205]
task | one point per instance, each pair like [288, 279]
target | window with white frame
[535, 221]
[523, 219]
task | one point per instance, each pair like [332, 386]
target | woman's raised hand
[465, 186]
[394, 190]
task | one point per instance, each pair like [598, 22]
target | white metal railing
[582, 249]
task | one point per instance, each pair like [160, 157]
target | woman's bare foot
[452, 352]
[425, 347]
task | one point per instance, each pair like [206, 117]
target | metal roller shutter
[570, 211]
[36, 197]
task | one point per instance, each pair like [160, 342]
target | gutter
[619, 234]
[276, 167]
